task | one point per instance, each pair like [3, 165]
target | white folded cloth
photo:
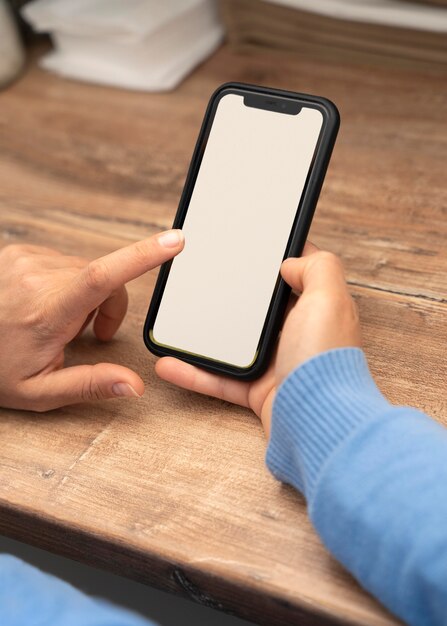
[136, 44]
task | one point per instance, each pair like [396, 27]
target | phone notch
[280, 105]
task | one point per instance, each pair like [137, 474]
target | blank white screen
[236, 230]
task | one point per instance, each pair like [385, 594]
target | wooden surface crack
[398, 292]
[84, 454]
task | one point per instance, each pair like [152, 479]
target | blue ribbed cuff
[317, 407]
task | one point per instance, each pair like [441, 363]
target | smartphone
[248, 201]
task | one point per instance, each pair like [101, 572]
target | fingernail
[124, 389]
[171, 238]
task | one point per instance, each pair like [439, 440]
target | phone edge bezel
[299, 231]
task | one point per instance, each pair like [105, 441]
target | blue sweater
[375, 479]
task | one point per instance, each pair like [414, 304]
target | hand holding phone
[247, 204]
[324, 317]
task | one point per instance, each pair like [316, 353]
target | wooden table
[172, 490]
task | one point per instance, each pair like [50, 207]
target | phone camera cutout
[289, 107]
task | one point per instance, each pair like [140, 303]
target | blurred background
[149, 45]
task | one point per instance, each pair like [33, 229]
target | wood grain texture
[172, 489]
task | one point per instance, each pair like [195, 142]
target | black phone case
[297, 239]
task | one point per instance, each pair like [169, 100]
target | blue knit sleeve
[29, 597]
[375, 479]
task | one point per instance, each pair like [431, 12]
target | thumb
[292, 271]
[82, 383]
[320, 270]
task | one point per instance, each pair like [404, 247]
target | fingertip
[160, 363]
[173, 238]
[102, 334]
[288, 265]
[134, 382]
[124, 390]
[120, 375]
[103, 329]
[168, 368]
[291, 261]
[291, 272]
[160, 366]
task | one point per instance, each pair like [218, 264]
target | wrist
[316, 408]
